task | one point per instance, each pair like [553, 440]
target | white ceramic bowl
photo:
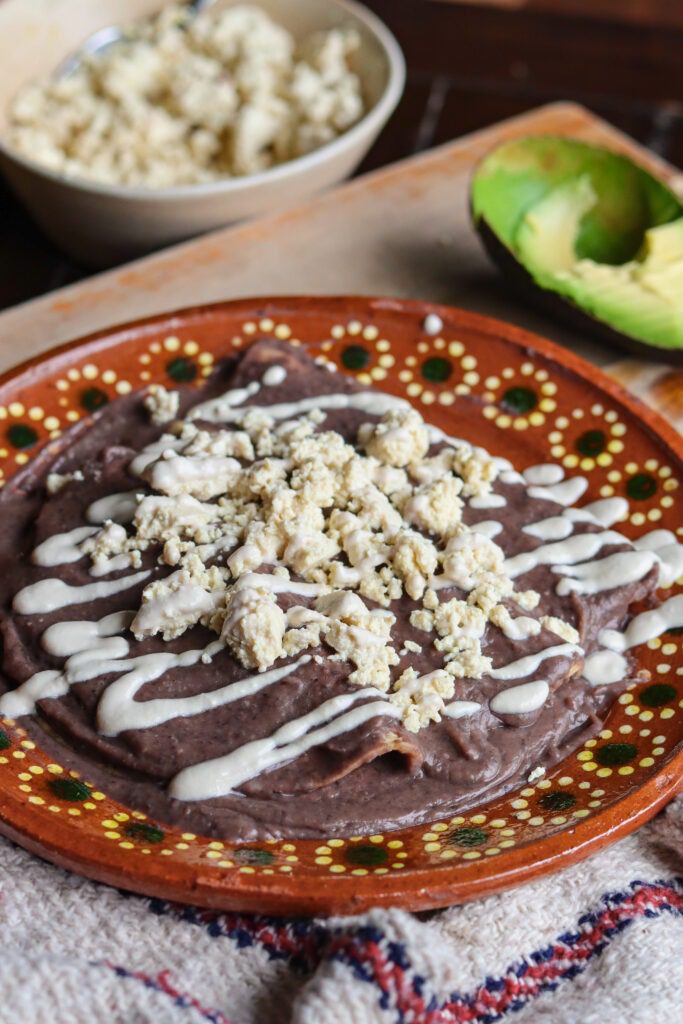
[104, 224]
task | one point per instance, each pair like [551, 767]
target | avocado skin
[556, 305]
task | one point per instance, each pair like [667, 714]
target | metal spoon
[107, 37]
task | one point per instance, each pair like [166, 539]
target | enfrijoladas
[286, 606]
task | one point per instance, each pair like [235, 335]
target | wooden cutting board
[402, 231]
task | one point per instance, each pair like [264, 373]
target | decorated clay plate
[537, 404]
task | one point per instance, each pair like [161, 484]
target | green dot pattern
[69, 789]
[641, 486]
[614, 754]
[591, 443]
[436, 369]
[181, 370]
[366, 856]
[519, 400]
[144, 832]
[20, 435]
[254, 856]
[468, 836]
[94, 399]
[658, 694]
[557, 801]
[355, 357]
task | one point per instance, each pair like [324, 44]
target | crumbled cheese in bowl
[185, 99]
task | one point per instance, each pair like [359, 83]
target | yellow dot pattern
[651, 729]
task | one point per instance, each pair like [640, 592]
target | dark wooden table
[469, 65]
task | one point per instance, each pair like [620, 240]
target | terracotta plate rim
[518, 336]
[421, 887]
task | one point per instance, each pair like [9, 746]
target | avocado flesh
[546, 237]
[642, 298]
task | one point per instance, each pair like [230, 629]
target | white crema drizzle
[62, 547]
[618, 570]
[65, 638]
[523, 667]
[461, 709]
[544, 475]
[488, 528]
[488, 501]
[120, 508]
[604, 512]
[118, 710]
[50, 595]
[572, 556]
[576, 548]
[567, 492]
[97, 648]
[522, 699]
[92, 650]
[229, 406]
[609, 665]
[223, 775]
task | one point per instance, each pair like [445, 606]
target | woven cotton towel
[600, 943]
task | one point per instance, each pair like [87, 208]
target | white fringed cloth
[599, 943]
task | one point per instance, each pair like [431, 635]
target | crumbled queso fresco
[190, 99]
[258, 493]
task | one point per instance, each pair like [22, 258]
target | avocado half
[589, 235]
